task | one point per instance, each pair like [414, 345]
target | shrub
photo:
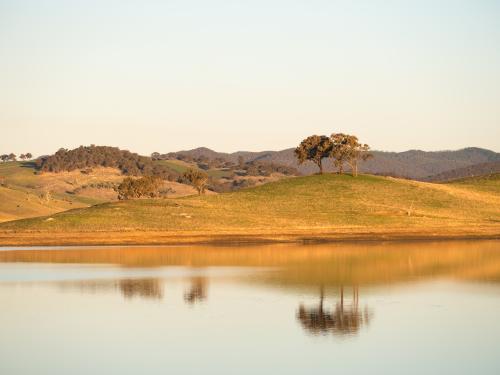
[144, 187]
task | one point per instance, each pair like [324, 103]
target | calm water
[418, 308]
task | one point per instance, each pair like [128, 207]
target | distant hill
[481, 169]
[413, 164]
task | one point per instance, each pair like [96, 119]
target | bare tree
[340, 150]
[347, 149]
[198, 179]
[357, 152]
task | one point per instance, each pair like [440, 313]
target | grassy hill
[314, 206]
[24, 194]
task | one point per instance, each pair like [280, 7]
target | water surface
[386, 308]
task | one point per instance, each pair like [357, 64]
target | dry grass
[20, 195]
[327, 207]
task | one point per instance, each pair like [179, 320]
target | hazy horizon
[148, 153]
[175, 75]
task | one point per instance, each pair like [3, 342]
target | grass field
[181, 166]
[22, 191]
[303, 206]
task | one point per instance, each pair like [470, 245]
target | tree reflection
[344, 319]
[143, 288]
[197, 292]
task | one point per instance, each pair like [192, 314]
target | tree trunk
[320, 165]
[341, 168]
[342, 298]
[354, 167]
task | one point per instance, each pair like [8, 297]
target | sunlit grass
[315, 203]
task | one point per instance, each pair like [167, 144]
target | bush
[144, 187]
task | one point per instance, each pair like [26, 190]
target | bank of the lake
[313, 208]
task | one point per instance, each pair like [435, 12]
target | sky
[167, 75]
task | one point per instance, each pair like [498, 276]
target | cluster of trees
[249, 168]
[341, 148]
[13, 157]
[85, 157]
[144, 187]
[265, 168]
[202, 161]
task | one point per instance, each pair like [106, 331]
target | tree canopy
[341, 148]
[92, 156]
[314, 148]
[144, 187]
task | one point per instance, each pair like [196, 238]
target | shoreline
[21, 238]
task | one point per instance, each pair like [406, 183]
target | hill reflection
[145, 288]
[302, 265]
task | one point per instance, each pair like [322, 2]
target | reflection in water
[301, 265]
[267, 303]
[197, 291]
[345, 319]
[145, 288]
[148, 288]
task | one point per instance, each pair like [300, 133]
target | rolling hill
[413, 164]
[319, 206]
[25, 193]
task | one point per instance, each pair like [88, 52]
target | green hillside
[312, 204]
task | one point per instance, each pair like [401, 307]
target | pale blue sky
[248, 75]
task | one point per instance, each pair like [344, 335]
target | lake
[348, 308]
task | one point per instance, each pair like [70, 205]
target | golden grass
[20, 195]
[315, 207]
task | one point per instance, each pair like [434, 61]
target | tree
[197, 179]
[22, 157]
[340, 150]
[12, 157]
[4, 157]
[356, 152]
[347, 149]
[28, 156]
[314, 148]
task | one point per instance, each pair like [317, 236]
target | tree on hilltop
[314, 148]
[356, 152]
[12, 157]
[340, 150]
[28, 156]
[197, 179]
